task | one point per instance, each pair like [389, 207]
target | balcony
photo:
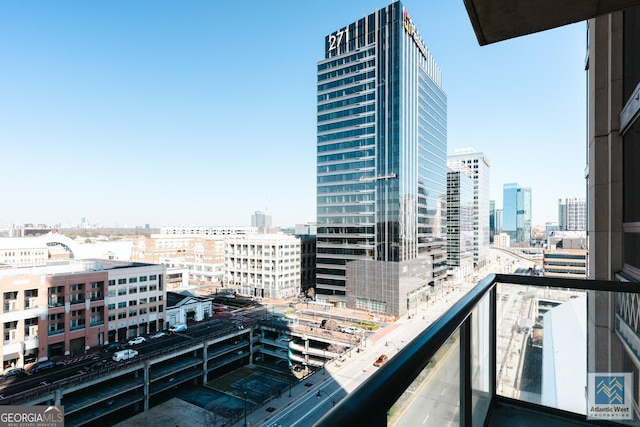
[97, 296]
[56, 301]
[10, 305]
[515, 350]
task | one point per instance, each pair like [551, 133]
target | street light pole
[319, 394]
[389, 342]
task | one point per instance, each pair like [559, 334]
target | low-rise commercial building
[186, 307]
[21, 252]
[502, 239]
[566, 255]
[263, 265]
[67, 308]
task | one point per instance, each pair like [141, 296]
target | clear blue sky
[202, 112]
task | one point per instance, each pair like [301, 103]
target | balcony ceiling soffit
[498, 20]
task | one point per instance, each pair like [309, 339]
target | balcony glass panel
[517, 349]
[481, 389]
[541, 351]
[434, 396]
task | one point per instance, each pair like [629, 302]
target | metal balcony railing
[514, 350]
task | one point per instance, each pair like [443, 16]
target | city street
[308, 404]
[323, 390]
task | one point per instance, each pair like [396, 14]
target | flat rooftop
[174, 412]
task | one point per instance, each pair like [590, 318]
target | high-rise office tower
[261, 220]
[516, 213]
[572, 214]
[492, 220]
[460, 219]
[381, 166]
[479, 164]
[498, 221]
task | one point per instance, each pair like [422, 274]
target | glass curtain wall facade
[510, 209]
[492, 220]
[381, 165]
[516, 213]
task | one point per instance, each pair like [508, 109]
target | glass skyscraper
[381, 166]
[516, 213]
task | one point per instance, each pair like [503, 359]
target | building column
[205, 354]
[146, 375]
[604, 180]
[57, 396]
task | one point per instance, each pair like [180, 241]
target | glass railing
[566, 348]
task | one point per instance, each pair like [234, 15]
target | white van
[124, 355]
[348, 330]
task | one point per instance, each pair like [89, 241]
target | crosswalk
[74, 359]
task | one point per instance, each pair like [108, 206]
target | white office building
[460, 220]
[203, 231]
[572, 214]
[263, 265]
[480, 166]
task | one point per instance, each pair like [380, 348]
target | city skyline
[126, 115]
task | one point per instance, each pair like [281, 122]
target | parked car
[137, 340]
[124, 355]
[41, 366]
[158, 334]
[180, 327]
[13, 373]
[114, 346]
[382, 359]
[97, 365]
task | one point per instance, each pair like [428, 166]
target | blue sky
[202, 112]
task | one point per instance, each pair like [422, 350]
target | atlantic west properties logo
[610, 396]
[32, 416]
